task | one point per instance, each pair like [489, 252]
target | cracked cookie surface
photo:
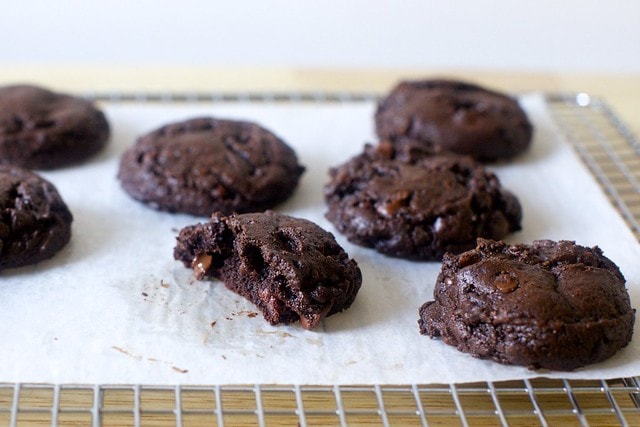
[409, 203]
[290, 268]
[35, 223]
[204, 165]
[448, 115]
[554, 305]
[41, 129]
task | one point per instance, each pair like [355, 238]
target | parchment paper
[114, 307]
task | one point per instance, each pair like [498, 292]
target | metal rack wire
[606, 147]
[528, 402]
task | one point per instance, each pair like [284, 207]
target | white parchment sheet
[114, 307]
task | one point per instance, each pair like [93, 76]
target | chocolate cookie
[289, 267]
[552, 305]
[205, 165]
[454, 116]
[409, 203]
[40, 129]
[34, 221]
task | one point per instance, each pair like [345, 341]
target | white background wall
[546, 35]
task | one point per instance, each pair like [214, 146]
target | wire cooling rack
[612, 154]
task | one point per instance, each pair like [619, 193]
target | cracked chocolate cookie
[554, 305]
[290, 268]
[448, 115]
[410, 203]
[40, 129]
[35, 223]
[204, 165]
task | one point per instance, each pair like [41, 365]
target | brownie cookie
[34, 221]
[40, 129]
[289, 267]
[552, 305]
[204, 165]
[409, 203]
[454, 116]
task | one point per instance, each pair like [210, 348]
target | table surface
[620, 92]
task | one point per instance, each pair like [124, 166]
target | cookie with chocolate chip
[408, 202]
[204, 165]
[290, 268]
[449, 115]
[41, 129]
[554, 305]
[35, 223]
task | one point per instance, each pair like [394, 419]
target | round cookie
[448, 115]
[554, 305]
[35, 223]
[40, 129]
[204, 165]
[289, 267]
[409, 203]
